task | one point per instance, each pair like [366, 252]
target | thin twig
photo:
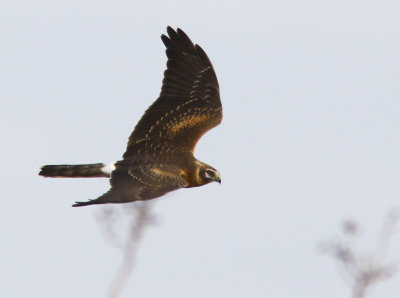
[139, 218]
[363, 271]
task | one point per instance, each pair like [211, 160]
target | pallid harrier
[159, 156]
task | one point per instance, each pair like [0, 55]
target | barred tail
[78, 171]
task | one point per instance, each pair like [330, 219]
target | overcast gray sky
[310, 136]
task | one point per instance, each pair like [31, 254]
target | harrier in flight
[159, 156]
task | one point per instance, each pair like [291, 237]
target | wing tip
[81, 204]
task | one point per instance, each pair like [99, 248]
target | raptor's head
[208, 174]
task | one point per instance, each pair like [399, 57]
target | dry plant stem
[377, 269]
[386, 234]
[363, 272]
[359, 290]
[139, 221]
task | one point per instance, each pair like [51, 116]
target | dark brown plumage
[159, 156]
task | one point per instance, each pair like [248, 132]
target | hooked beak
[218, 179]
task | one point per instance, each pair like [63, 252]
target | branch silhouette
[139, 217]
[362, 271]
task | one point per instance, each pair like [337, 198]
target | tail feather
[77, 171]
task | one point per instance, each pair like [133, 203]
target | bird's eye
[210, 173]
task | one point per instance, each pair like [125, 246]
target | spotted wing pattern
[157, 179]
[189, 103]
[142, 178]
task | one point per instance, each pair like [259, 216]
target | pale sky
[310, 136]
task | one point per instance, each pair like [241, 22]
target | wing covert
[189, 103]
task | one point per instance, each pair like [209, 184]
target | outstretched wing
[139, 183]
[189, 104]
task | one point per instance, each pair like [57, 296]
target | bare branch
[362, 271]
[139, 217]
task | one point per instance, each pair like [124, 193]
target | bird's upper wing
[189, 103]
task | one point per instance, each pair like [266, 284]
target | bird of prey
[159, 156]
